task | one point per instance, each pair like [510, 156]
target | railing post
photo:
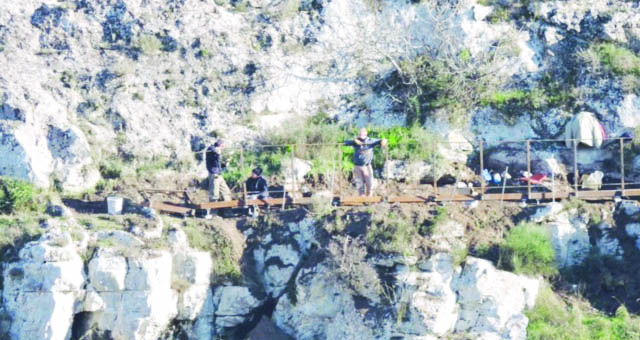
[294, 181]
[333, 176]
[576, 179]
[244, 184]
[482, 183]
[622, 165]
[528, 169]
[433, 166]
[340, 184]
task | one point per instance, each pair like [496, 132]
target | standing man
[362, 158]
[215, 166]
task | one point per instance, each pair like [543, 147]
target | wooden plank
[171, 208]
[220, 204]
[360, 199]
[455, 198]
[408, 199]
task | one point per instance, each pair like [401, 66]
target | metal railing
[334, 180]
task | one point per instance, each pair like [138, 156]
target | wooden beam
[167, 207]
[408, 199]
[360, 199]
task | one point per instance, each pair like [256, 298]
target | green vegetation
[16, 231]
[449, 85]
[570, 318]
[429, 226]
[149, 44]
[205, 237]
[592, 211]
[527, 250]
[320, 142]
[348, 261]
[607, 59]
[393, 234]
[111, 169]
[618, 59]
[512, 103]
[16, 196]
[103, 222]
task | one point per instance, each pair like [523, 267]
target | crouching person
[257, 188]
[217, 185]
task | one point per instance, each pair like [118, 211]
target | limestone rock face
[324, 309]
[234, 305]
[42, 287]
[127, 292]
[277, 253]
[430, 296]
[491, 301]
[570, 239]
[436, 300]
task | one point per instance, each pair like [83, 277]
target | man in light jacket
[362, 159]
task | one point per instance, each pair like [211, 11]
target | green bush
[527, 249]
[16, 195]
[618, 59]
[393, 234]
[554, 318]
[111, 169]
[514, 102]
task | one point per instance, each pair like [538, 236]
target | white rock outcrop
[570, 238]
[41, 289]
[492, 301]
[430, 303]
[127, 292]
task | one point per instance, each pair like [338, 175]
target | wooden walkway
[443, 196]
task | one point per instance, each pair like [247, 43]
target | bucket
[114, 205]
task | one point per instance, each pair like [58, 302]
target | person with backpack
[217, 185]
[362, 159]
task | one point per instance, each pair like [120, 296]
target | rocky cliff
[84, 83]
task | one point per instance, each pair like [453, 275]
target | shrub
[527, 249]
[394, 234]
[554, 318]
[618, 59]
[16, 195]
[111, 169]
[348, 261]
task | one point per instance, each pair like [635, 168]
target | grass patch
[207, 238]
[618, 59]
[512, 103]
[393, 234]
[527, 250]
[17, 196]
[592, 211]
[16, 231]
[571, 318]
[111, 169]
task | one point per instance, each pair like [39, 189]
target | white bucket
[114, 205]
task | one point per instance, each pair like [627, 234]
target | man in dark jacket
[362, 159]
[257, 186]
[215, 166]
